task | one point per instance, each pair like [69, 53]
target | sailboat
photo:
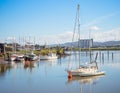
[14, 55]
[90, 69]
[50, 56]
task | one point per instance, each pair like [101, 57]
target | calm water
[51, 77]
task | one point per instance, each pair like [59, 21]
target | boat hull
[86, 72]
[48, 57]
[91, 74]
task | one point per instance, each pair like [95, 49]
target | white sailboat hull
[13, 57]
[92, 73]
[86, 72]
[48, 57]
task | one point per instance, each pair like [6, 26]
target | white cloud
[1, 41]
[57, 39]
[93, 28]
[11, 38]
[110, 35]
[100, 36]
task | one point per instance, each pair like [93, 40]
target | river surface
[51, 76]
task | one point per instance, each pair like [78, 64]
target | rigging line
[73, 38]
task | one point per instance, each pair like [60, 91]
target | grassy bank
[98, 48]
[59, 51]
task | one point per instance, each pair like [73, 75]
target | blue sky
[52, 21]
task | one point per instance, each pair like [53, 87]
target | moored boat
[20, 57]
[90, 69]
[31, 57]
[13, 57]
[50, 56]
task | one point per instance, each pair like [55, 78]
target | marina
[59, 46]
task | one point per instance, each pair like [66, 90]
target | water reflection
[7, 66]
[50, 62]
[4, 67]
[30, 65]
[84, 80]
[84, 83]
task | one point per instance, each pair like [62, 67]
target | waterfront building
[2, 48]
[86, 43]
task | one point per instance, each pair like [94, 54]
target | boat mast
[79, 33]
[90, 59]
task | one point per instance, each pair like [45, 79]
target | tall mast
[79, 33]
[89, 45]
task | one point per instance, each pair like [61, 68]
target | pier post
[108, 54]
[100, 55]
[103, 58]
[112, 56]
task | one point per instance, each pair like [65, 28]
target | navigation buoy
[69, 75]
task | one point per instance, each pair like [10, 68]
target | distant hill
[68, 44]
[107, 43]
[95, 44]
